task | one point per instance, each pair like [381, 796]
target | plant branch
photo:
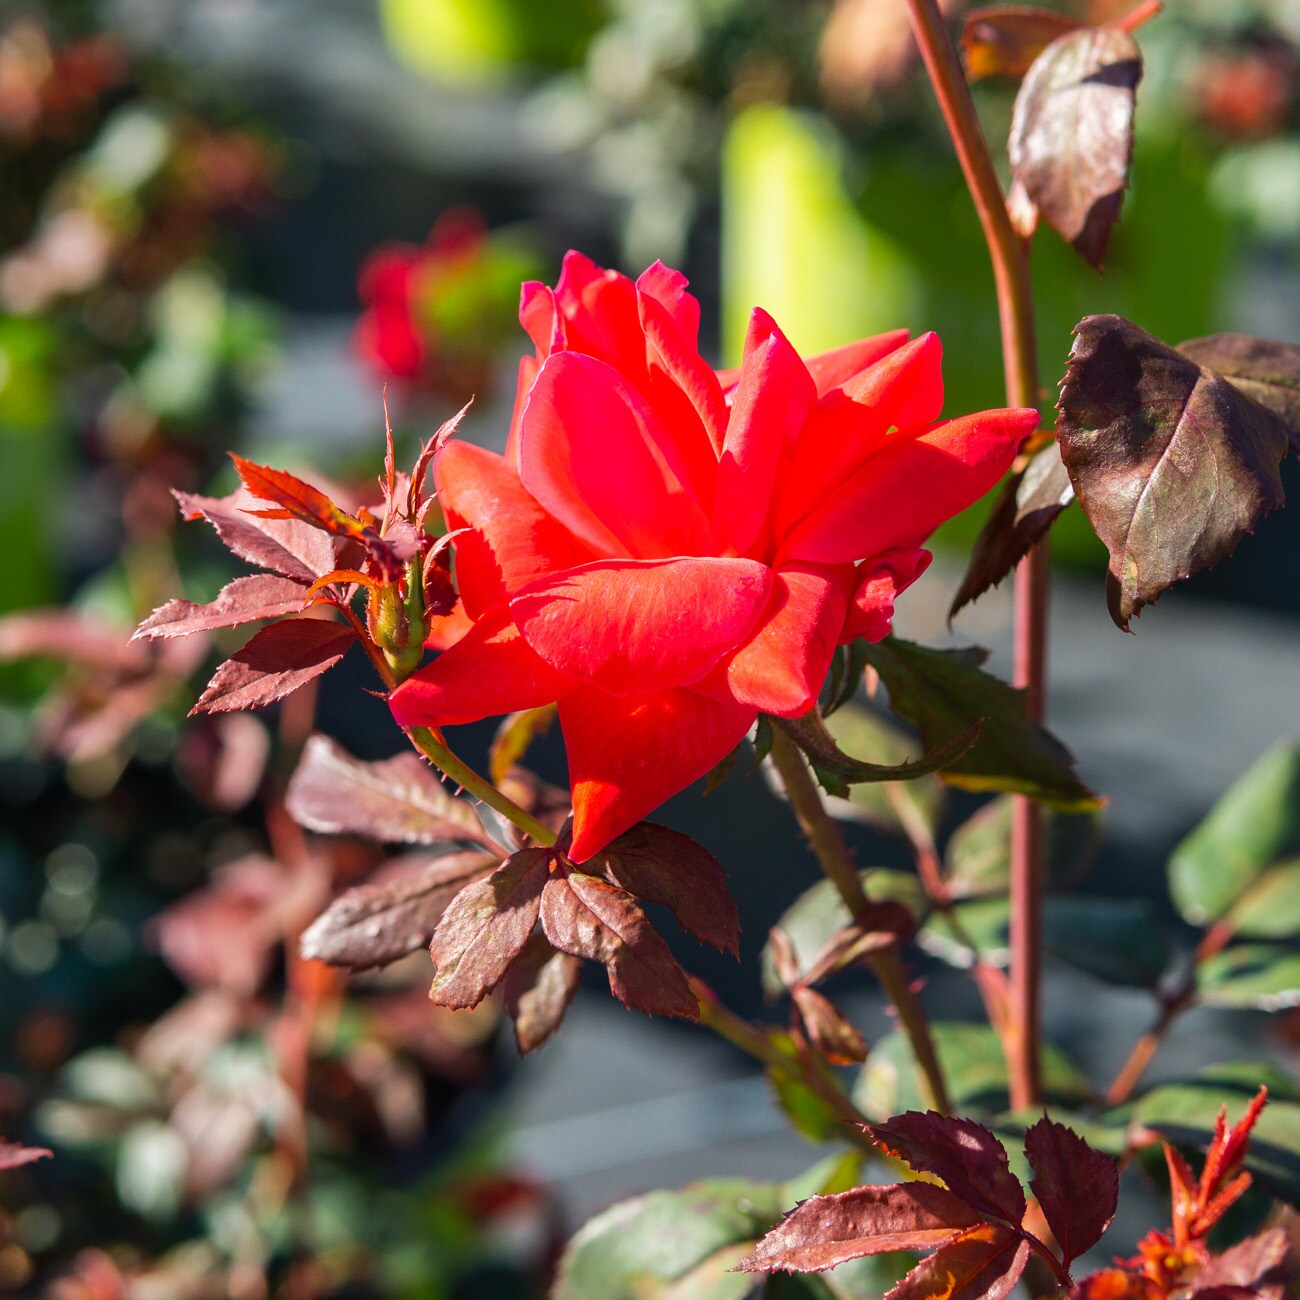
[827, 843]
[1010, 257]
[432, 746]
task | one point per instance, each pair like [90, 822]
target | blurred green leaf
[1264, 976]
[975, 927]
[1270, 907]
[1119, 940]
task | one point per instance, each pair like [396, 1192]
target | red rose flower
[667, 551]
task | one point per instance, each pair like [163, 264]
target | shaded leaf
[485, 927]
[296, 499]
[1077, 1187]
[245, 600]
[397, 800]
[276, 662]
[945, 692]
[591, 918]
[537, 991]
[515, 734]
[1172, 465]
[827, 1029]
[1027, 506]
[836, 770]
[1267, 371]
[984, 1263]
[224, 762]
[967, 1156]
[1004, 40]
[285, 546]
[828, 1230]
[978, 854]
[662, 866]
[394, 913]
[1071, 139]
[1119, 940]
[14, 1154]
[1254, 824]
[1259, 975]
[1257, 1261]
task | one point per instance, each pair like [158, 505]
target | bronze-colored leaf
[538, 989]
[245, 600]
[276, 662]
[827, 1029]
[285, 546]
[1172, 464]
[394, 913]
[1265, 370]
[1028, 505]
[1071, 137]
[1004, 40]
[984, 1263]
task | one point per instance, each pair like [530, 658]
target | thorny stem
[1172, 1004]
[827, 843]
[431, 745]
[1010, 257]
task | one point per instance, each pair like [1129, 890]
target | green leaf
[1264, 976]
[1270, 908]
[805, 1109]
[835, 1174]
[944, 692]
[639, 1249]
[972, 1060]
[978, 926]
[1256, 823]
[1119, 940]
[1185, 1114]
[819, 913]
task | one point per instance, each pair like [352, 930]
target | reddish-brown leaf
[1028, 505]
[984, 1263]
[1267, 371]
[397, 800]
[882, 925]
[224, 761]
[63, 634]
[1077, 1187]
[1004, 40]
[245, 600]
[485, 928]
[662, 866]
[827, 1028]
[1256, 1264]
[591, 918]
[824, 1231]
[285, 546]
[395, 912]
[295, 499]
[14, 1154]
[1172, 465]
[275, 663]
[1072, 134]
[538, 989]
[967, 1156]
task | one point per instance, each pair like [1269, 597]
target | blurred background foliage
[231, 223]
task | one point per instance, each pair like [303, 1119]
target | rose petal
[600, 314]
[880, 581]
[834, 368]
[487, 672]
[636, 626]
[627, 754]
[668, 287]
[528, 368]
[446, 629]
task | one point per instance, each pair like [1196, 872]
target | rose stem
[1010, 257]
[827, 844]
[432, 747]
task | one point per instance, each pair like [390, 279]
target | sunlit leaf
[285, 546]
[245, 600]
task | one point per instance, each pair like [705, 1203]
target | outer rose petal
[909, 487]
[487, 672]
[880, 582]
[528, 368]
[513, 540]
[540, 316]
[636, 626]
[773, 399]
[589, 453]
[627, 754]
[600, 316]
[669, 288]
[781, 669]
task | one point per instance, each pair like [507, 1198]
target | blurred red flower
[668, 551]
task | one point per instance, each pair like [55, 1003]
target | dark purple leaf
[1072, 134]
[1028, 505]
[662, 866]
[245, 600]
[591, 918]
[967, 1156]
[1077, 1187]
[14, 1154]
[397, 800]
[1172, 465]
[984, 1263]
[394, 913]
[827, 1029]
[275, 663]
[285, 546]
[1267, 371]
[1004, 40]
[485, 927]
[824, 1231]
[538, 989]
